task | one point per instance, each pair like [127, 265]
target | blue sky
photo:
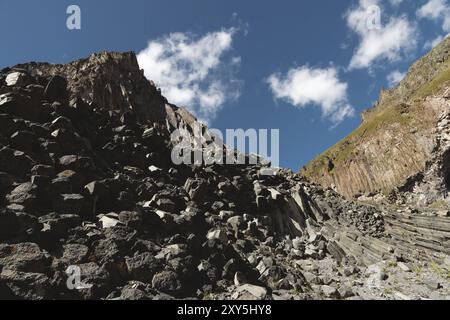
[305, 67]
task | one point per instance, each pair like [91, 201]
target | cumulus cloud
[436, 10]
[395, 77]
[321, 87]
[377, 41]
[395, 3]
[197, 72]
[430, 44]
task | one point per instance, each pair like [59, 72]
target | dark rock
[7, 125]
[20, 105]
[9, 224]
[25, 195]
[43, 170]
[131, 219]
[61, 185]
[167, 282]
[56, 226]
[106, 250]
[142, 267]
[62, 123]
[40, 181]
[56, 90]
[26, 257]
[96, 279]
[27, 285]
[166, 204]
[77, 164]
[74, 254]
[24, 140]
[196, 188]
[70, 204]
[15, 162]
[134, 291]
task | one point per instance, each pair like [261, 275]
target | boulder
[167, 282]
[219, 235]
[27, 285]
[249, 292]
[77, 164]
[20, 105]
[237, 223]
[142, 267]
[25, 195]
[26, 257]
[19, 79]
[330, 292]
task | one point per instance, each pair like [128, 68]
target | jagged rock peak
[110, 80]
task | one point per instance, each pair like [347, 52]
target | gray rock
[219, 234]
[27, 285]
[346, 292]
[403, 267]
[330, 292]
[26, 195]
[236, 223]
[249, 292]
[142, 267]
[167, 282]
[25, 257]
[74, 254]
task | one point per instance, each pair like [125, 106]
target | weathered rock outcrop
[109, 80]
[401, 144]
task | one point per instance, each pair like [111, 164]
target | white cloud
[437, 10]
[430, 44]
[378, 42]
[194, 72]
[395, 3]
[395, 77]
[322, 87]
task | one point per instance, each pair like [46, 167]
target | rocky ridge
[87, 184]
[400, 150]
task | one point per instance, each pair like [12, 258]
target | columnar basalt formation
[401, 144]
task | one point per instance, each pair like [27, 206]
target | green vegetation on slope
[398, 107]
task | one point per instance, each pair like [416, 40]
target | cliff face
[109, 80]
[401, 142]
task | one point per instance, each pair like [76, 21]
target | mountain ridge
[396, 139]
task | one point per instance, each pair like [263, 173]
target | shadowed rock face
[109, 80]
[87, 185]
[401, 143]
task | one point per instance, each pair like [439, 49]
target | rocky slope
[87, 188]
[402, 143]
